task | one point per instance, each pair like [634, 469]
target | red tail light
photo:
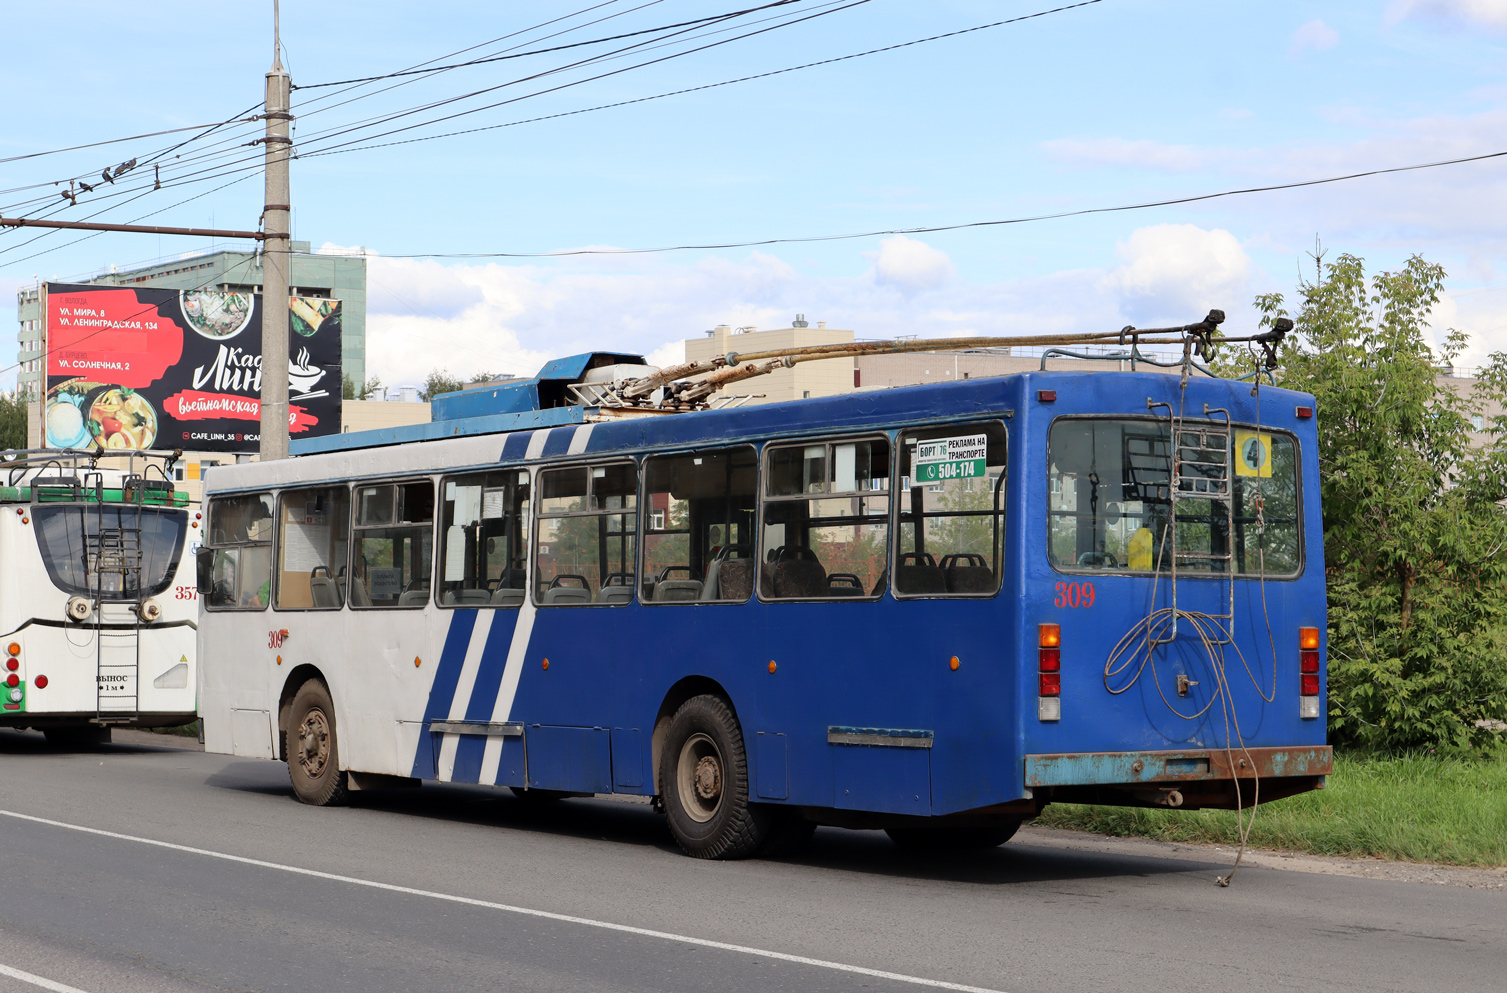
[1310, 684]
[1050, 659]
[1051, 684]
[13, 680]
[1308, 661]
[40, 683]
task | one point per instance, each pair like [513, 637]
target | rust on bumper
[1193, 765]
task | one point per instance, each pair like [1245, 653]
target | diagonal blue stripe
[442, 690]
[515, 447]
[494, 658]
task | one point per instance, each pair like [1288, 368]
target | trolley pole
[276, 217]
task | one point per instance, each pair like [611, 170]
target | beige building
[809, 379]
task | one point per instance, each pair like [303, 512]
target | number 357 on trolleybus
[930, 610]
[97, 599]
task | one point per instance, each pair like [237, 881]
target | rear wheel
[703, 772]
[953, 839]
[77, 735]
[313, 753]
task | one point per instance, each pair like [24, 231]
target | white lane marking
[536, 444]
[512, 670]
[463, 687]
[858, 970]
[579, 439]
[46, 984]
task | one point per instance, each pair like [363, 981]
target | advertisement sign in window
[951, 458]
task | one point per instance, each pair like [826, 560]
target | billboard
[139, 368]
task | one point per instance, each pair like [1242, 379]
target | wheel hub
[708, 778]
[314, 743]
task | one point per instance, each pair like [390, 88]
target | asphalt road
[201, 872]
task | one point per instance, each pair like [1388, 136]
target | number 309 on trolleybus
[97, 600]
[930, 610]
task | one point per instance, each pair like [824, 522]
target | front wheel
[703, 773]
[313, 753]
[953, 839]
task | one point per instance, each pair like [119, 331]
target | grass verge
[1415, 807]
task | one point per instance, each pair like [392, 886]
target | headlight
[78, 609]
[149, 610]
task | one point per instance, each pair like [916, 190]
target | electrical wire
[543, 51]
[953, 227]
[706, 86]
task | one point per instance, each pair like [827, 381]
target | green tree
[437, 382]
[13, 420]
[350, 391]
[1413, 527]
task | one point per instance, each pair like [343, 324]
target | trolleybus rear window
[92, 550]
[240, 535]
[1110, 508]
[826, 520]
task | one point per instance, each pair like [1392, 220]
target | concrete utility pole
[276, 215]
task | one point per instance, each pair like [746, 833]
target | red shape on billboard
[109, 336]
[196, 405]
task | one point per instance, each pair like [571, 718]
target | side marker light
[417, 661]
[953, 663]
[546, 665]
[1046, 396]
[1304, 413]
[772, 666]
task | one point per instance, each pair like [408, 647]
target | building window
[1477, 422]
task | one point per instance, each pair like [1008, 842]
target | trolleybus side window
[484, 555]
[240, 539]
[826, 520]
[394, 536]
[312, 538]
[699, 512]
[952, 511]
[1109, 503]
[587, 534]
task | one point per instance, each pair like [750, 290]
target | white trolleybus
[97, 600]
[931, 609]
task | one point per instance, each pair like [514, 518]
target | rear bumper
[1128, 768]
[1192, 778]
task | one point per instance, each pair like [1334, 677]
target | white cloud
[522, 315]
[911, 266]
[1175, 273]
[1143, 153]
[1314, 36]
[1487, 13]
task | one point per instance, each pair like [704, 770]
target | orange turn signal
[1308, 638]
[1049, 635]
[15, 648]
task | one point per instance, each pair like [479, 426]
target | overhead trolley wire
[543, 51]
[705, 86]
[589, 79]
[956, 227]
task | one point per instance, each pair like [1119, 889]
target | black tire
[953, 839]
[788, 833]
[77, 736]
[703, 775]
[313, 748]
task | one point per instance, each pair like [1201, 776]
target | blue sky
[1118, 102]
